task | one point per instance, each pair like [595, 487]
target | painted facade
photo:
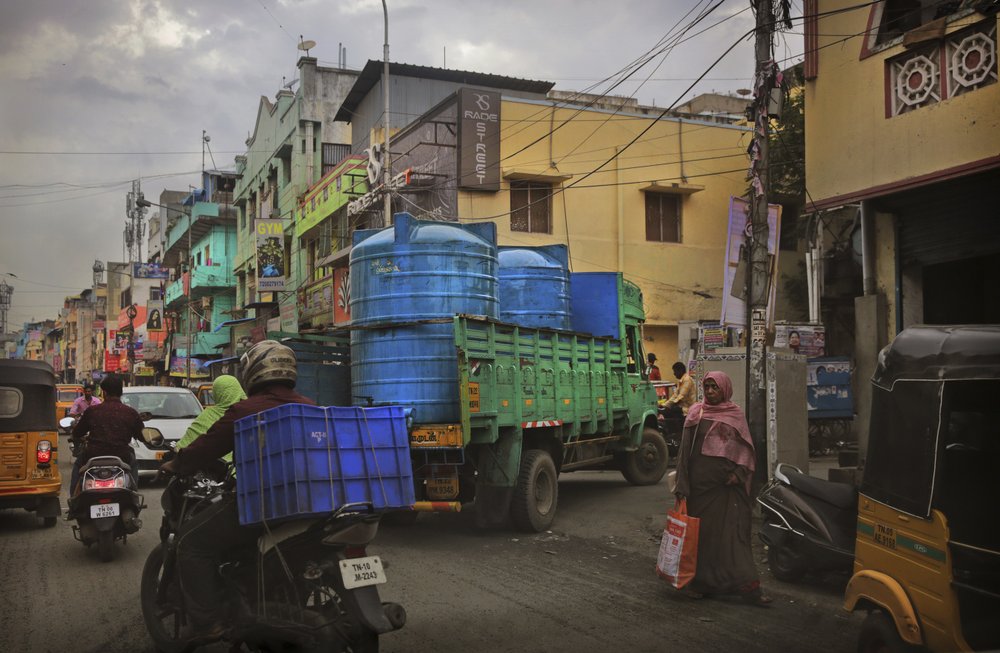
[294, 142]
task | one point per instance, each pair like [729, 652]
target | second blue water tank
[534, 286]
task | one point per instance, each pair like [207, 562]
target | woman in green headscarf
[227, 391]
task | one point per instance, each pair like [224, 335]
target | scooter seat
[105, 461]
[840, 495]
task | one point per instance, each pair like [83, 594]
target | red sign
[112, 362]
[341, 296]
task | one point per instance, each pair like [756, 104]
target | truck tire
[537, 492]
[647, 464]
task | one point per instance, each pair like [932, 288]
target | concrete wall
[851, 145]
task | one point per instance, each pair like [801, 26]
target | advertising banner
[178, 367]
[154, 316]
[478, 139]
[270, 254]
[734, 279]
[807, 339]
[342, 296]
[149, 271]
[112, 362]
[289, 318]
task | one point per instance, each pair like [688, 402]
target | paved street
[589, 585]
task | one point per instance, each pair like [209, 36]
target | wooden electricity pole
[759, 277]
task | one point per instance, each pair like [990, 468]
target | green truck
[535, 403]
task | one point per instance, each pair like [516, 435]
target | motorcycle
[671, 428]
[808, 524]
[106, 508]
[306, 584]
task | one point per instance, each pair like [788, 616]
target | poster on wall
[270, 255]
[342, 296]
[154, 316]
[733, 304]
[806, 339]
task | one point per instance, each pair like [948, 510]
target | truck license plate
[360, 572]
[99, 510]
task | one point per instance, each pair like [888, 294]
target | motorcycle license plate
[99, 510]
[361, 572]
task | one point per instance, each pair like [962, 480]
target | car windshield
[164, 405]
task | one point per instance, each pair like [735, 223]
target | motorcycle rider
[683, 396]
[112, 425]
[268, 374]
[85, 401]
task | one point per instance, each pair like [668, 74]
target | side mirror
[152, 436]
[66, 423]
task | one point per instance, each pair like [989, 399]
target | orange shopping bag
[678, 556]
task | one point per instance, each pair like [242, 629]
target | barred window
[663, 218]
[530, 206]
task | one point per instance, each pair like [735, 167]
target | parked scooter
[106, 507]
[808, 524]
[307, 585]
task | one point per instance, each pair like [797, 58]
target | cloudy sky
[101, 92]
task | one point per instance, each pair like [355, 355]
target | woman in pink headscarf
[714, 471]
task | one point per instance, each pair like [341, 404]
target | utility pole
[387, 168]
[759, 277]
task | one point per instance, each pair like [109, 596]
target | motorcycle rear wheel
[783, 564]
[166, 623]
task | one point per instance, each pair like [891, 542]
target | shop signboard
[270, 254]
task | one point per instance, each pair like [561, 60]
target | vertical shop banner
[270, 254]
[154, 316]
[478, 139]
[342, 296]
[734, 279]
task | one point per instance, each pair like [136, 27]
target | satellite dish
[307, 46]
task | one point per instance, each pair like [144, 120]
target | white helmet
[268, 361]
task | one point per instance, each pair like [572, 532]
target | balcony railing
[217, 275]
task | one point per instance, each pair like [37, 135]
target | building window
[154, 293]
[663, 218]
[531, 207]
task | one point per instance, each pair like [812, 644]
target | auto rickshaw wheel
[879, 635]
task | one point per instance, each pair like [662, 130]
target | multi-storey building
[295, 142]
[903, 129]
[647, 194]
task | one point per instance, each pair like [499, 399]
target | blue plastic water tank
[417, 270]
[534, 286]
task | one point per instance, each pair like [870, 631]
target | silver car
[170, 410]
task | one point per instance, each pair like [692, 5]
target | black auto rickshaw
[927, 557]
[29, 471]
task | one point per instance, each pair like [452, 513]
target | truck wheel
[537, 492]
[879, 635]
[647, 464]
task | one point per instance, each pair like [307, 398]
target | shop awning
[232, 322]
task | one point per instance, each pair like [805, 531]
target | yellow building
[903, 128]
[626, 188]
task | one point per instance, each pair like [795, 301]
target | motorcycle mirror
[66, 422]
[152, 436]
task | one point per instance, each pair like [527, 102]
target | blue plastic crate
[297, 460]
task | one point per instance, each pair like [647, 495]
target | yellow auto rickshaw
[29, 471]
[927, 554]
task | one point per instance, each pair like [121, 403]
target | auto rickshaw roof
[22, 372]
[940, 353]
